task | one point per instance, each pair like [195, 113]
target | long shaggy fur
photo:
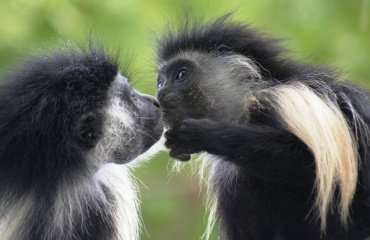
[247, 81]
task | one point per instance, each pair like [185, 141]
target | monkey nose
[170, 101]
[151, 100]
[160, 96]
[156, 103]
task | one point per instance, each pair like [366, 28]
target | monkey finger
[178, 151]
[170, 134]
[180, 157]
[170, 144]
[183, 157]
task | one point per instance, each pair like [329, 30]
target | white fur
[118, 179]
[119, 128]
[17, 213]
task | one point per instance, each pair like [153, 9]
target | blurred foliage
[335, 32]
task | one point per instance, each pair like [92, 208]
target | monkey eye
[182, 74]
[88, 133]
[160, 83]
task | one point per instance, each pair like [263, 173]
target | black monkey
[69, 122]
[287, 141]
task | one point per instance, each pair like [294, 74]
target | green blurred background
[335, 32]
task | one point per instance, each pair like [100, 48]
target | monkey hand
[188, 137]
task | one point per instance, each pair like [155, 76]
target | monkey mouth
[169, 105]
[172, 116]
[152, 129]
[170, 101]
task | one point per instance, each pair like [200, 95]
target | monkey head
[126, 126]
[194, 84]
[213, 69]
[75, 104]
[119, 123]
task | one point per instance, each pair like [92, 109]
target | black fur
[51, 117]
[271, 195]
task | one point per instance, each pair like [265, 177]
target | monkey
[286, 142]
[70, 125]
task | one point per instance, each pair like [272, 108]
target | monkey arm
[266, 152]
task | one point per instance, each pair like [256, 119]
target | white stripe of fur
[320, 124]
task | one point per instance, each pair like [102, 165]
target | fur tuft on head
[225, 36]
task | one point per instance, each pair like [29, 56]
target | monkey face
[199, 85]
[93, 109]
[180, 92]
[142, 126]
[127, 125]
[70, 110]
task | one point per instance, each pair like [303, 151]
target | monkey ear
[88, 130]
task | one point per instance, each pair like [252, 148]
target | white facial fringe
[119, 132]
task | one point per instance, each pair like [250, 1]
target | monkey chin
[152, 136]
[147, 139]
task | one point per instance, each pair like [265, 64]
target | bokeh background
[334, 32]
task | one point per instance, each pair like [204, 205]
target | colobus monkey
[287, 141]
[69, 122]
